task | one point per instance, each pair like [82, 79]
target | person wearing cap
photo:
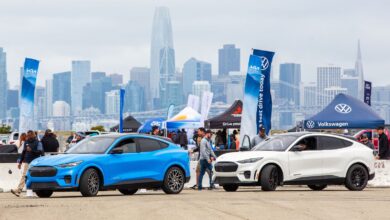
[206, 158]
[259, 138]
[364, 140]
[155, 131]
[383, 144]
[49, 142]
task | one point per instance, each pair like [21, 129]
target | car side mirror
[296, 148]
[117, 151]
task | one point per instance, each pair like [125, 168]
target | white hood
[247, 155]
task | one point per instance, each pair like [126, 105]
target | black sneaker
[194, 187]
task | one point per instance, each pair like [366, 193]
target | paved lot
[248, 203]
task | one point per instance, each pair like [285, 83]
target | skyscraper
[327, 77]
[290, 80]
[112, 102]
[309, 95]
[228, 59]
[162, 57]
[195, 70]
[134, 97]
[359, 73]
[94, 93]
[116, 79]
[141, 75]
[81, 75]
[12, 98]
[62, 85]
[97, 75]
[49, 97]
[3, 84]
[174, 93]
[351, 83]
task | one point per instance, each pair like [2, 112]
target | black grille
[226, 180]
[226, 167]
[43, 171]
[48, 185]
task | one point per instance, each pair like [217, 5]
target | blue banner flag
[367, 92]
[264, 107]
[121, 106]
[30, 71]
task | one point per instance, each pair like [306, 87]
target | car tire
[89, 183]
[174, 181]
[44, 193]
[317, 187]
[269, 179]
[357, 178]
[230, 187]
[128, 192]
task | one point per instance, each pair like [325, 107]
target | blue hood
[62, 159]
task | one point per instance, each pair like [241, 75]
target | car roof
[299, 134]
[118, 135]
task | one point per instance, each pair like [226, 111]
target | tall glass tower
[162, 57]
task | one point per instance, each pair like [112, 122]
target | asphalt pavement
[247, 203]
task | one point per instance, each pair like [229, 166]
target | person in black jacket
[32, 150]
[50, 142]
[183, 140]
[383, 144]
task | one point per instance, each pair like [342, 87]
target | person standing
[183, 140]
[32, 150]
[50, 142]
[383, 144]
[20, 143]
[155, 131]
[364, 140]
[259, 138]
[206, 158]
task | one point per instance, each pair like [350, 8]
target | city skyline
[115, 49]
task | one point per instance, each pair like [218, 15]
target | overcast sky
[115, 34]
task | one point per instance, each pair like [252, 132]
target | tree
[98, 128]
[5, 129]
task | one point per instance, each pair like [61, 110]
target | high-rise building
[3, 83]
[134, 97]
[162, 57]
[195, 70]
[112, 102]
[174, 93]
[219, 88]
[290, 80]
[359, 73]
[198, 87]
[12, 98]
[39, 104]
[81, 75]
[94, 93]
[331, 92]
[116, 79]
[351, 83]
[228, 59]
[62, 85]
[97, 75]
[349, 72]
[49, 97]
[141, 75]
[309, 94]
[327, 77]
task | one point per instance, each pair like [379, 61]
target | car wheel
[230, 188]
[173, 181]
[269, 179]
[357, 178]
[317, 187]
[89, 183]
[128, 192]
[44, 193]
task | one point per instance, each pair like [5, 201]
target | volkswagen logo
[343, 108]
[264, 63]
[310, 124]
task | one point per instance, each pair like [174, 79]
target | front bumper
[63, 179]
[244, 174]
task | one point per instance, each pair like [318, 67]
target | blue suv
[125, 162]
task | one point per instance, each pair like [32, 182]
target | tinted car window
[163, 145]
[147, 145]
[128, 146]
[331, 143]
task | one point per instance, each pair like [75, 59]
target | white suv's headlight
[67, 165]
[251, 160]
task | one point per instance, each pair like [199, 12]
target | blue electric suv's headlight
[251, 160]
[68, 165]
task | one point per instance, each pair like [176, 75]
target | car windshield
[275, 143]
[92, 145]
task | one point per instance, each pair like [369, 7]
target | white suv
[312, 159]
